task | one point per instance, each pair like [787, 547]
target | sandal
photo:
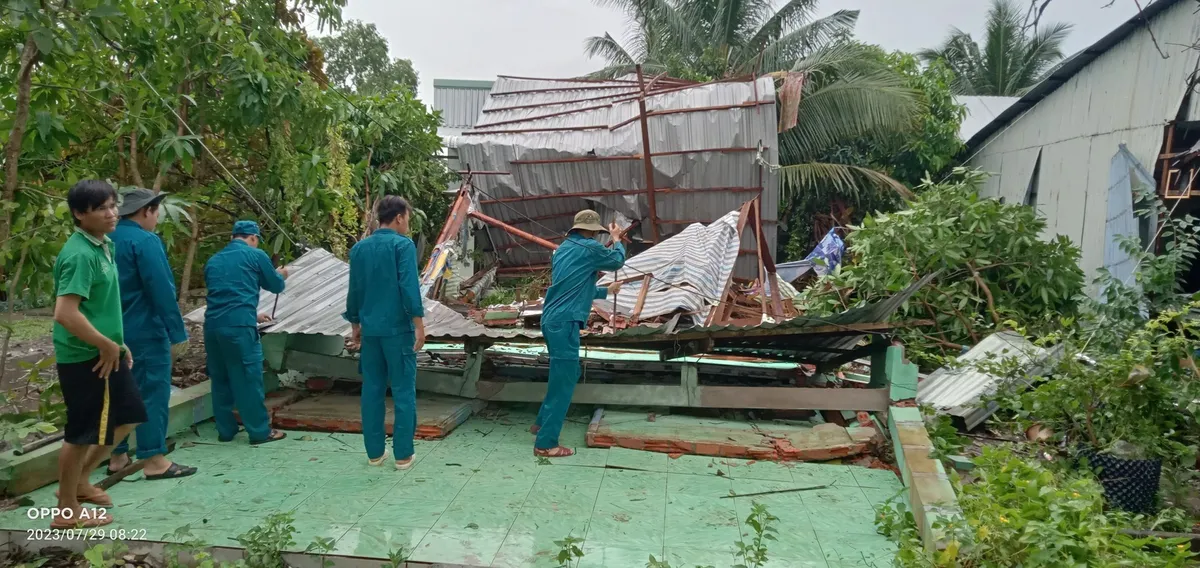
[558, 452]
[174, 471]
[60, 523]
[274, 436]
[405, 464]
[375, 462]
[100, 499]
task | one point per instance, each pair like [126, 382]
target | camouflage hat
[588, 220]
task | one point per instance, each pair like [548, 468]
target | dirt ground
[32, 341]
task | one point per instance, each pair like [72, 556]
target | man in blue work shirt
[385, 311]
[574, 269]
[234, 276]
[154, 330]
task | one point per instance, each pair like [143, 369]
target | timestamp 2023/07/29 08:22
[84, 534]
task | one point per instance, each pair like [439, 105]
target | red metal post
[647, 159]
[514, 231]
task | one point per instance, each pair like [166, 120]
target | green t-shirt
[86, 268]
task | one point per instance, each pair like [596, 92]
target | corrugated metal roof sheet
[315, 298]
[807, 338]
[958, 390]
[708, 182]
[689, 272]
[459, 101]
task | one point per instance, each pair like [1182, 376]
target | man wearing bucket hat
[574, 269]
[154, 330]
[234, 276]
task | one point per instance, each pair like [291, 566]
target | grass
[27, 328]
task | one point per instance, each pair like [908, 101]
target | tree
[225, 105]
[908, 157]
[710, 39]
[990, 263]
[848, 93]
[357, 59]
[1013, 58]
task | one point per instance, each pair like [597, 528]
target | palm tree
[846, 95]
[1010, 61]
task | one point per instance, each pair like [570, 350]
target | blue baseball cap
[245, 228]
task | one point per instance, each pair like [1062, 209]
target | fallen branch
[815, 487]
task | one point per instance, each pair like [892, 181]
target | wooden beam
[648, 161]
[789, 398]
[632, 395]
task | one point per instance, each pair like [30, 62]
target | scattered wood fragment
[793, 490]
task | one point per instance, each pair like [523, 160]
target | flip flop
[174, 471]
[405, 464]
[558, 452]
[60, 523]
[375, 462]
[103, 500]
[274, 436]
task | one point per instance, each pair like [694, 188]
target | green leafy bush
[991, 265]
[1022, 513]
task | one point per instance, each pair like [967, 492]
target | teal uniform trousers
[383, 299]
[234, 276]
[574, 270]
[152, 323]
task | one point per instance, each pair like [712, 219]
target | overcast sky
[479, 39]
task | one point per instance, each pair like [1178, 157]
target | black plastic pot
[1129, 485]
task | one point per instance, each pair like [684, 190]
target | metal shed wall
[690, 187]
[459, 101]
[1125, 95]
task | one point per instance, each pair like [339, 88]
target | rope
[246, 193]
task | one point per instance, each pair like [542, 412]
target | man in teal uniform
[574, 269]
[234, 276]
[385, 311]
[153, 325]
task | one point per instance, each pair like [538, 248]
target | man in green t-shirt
[102, 399]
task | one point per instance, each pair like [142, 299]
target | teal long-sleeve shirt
[574, 270]
[385, 292]
[148, 302]
[234, 276]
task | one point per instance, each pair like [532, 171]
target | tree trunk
[122, 173]
[133, 163]
[186, 279]
[180, 122]
[12, 151]
[12, 303]
[367, 213]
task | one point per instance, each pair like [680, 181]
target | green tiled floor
[479, 497]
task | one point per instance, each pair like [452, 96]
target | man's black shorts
[96, 407]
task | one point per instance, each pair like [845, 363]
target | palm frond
[1044, 50]
[855, 105]
[789, 16]
[607, 48]
[783, 52]
[841, 178]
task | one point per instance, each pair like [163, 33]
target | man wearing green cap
[574, 269]
[153, 325]
[234, 276]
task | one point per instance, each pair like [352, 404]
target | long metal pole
[646, 158]
[513, 230]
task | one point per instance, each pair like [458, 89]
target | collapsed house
[703, 319]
